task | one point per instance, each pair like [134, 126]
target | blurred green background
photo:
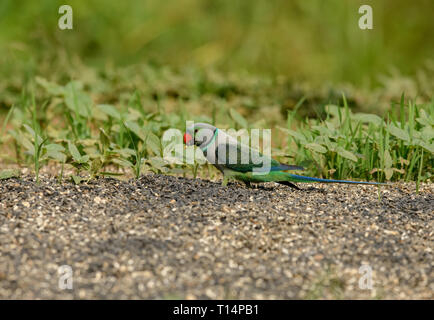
[270, 63]
[313, 40]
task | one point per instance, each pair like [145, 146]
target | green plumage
[250, 177]
[242, 163]
[275, 172]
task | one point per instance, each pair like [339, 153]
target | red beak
[187, 138]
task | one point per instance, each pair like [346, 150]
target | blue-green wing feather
[243, 159]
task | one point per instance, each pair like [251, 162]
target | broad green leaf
[33, 134]
[157, 162]
[367, 118]
[29, 130]
[122, 162]
[9, 173]
[398, 132]
[74, 152]
[324, 131]
[346, 154]
[51, 87]
[133, 115]
[110, 110]
[424, 119]
[427, 133]
[388, 172]
[30, 147]
[93, 152]
[125, 152]
[315, 147]
[331, 146]
[77, 179]
[54, 147]
[331, 126]
[332, 109]
[153, 142]
[298, 136]
[427, 146]
[56, 155]
[88, 142]
[134, 127]
[177, 171]
[238, 118]
[77, 100]
[84, 159]
[388, 162]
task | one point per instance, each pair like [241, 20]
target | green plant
[77, 125]
[365, 145]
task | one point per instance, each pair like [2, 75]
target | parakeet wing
[242, 158]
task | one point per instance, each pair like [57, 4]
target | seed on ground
[169, 237]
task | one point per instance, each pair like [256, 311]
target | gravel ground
[163, 237]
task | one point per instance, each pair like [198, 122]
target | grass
[74, 125]
[328, 285]
[347, 144]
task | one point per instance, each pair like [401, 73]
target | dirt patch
[168, 237]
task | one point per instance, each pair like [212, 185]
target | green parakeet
[240, 162]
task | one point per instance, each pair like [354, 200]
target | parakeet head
[200, 134]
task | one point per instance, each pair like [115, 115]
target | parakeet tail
[297, 178]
